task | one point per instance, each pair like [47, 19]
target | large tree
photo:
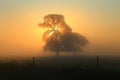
[59, 36]
[69, 42]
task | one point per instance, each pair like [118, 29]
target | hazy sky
[98, 20]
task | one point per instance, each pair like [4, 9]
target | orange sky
[21, 36]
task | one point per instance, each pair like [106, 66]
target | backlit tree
[59, 36]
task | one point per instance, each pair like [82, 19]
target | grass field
[61, 67]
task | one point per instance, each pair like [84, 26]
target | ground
[55, 68]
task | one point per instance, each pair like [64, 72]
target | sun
[50, 34]
[53, 30]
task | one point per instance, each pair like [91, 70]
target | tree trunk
[98, 65]
[74, 53]
[33, 61]
[57, 53]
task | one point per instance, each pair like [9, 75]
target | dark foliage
[59, 36]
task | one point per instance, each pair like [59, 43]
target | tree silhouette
[52, 38]
[59, 36]
[73, 42]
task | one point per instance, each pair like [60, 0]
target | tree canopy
[59, 36]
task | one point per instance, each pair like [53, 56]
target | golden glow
[20, 34]
[50, 33]
[52, 30]
[48, 29]
[56, 28]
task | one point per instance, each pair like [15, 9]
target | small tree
[73, 42]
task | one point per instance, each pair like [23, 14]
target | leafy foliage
[59, 36]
